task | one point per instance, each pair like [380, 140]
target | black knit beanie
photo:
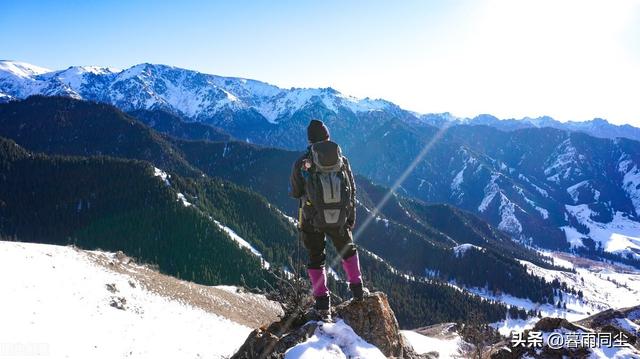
[317, 131]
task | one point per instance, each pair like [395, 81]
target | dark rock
[272, 342]
[118, 303]
[260, 344]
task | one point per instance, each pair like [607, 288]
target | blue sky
[571, 59]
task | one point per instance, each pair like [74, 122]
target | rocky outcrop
[273, 341]
[550, 324]
[609, 321]
[616, 320]
[372, 319]
[504, 350]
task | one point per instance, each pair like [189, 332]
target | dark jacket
[297, 185]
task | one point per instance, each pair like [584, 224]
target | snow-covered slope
[66, 303]
[189, 93]
[17, 79]
[620, 236]
[21, 69]
[603, 286]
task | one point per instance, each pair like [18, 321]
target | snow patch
[574, 191]
[333, 273]
[543, 211]
[445, 347]
[540, 190]
[630, 180]
[184, 201]
[490, 191]
[565, 162]
[242, 242]
[460, 250]
[458, 179]
[384, 220]
[509, 325]
[508, 220]
[162, 174]
[620, 236]
[334, 340]
[574, 238]
[225, 150]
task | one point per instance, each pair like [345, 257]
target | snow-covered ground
[445, 347]
[620, 236]
[56, 301]
[62, 302]
[603, 286]
[334, 341]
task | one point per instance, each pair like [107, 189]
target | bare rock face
[372, 319]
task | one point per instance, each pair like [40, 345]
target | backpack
[327, 186]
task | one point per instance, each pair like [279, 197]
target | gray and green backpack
[327, 186]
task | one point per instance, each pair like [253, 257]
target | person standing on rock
[323, 182]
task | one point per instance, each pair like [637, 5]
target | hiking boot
[322, 309]
[320, 315]
[358, 291]
[322, 303]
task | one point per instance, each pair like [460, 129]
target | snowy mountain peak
[21, 69]
[192, 94]
[81, 70]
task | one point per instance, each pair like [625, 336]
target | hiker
[323, 182]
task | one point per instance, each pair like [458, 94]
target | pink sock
[351, 266]
[318, 281]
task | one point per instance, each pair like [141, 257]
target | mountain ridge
[18, 80]
[597, 127]
[186, 92]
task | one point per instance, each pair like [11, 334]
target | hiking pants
[314, 242]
